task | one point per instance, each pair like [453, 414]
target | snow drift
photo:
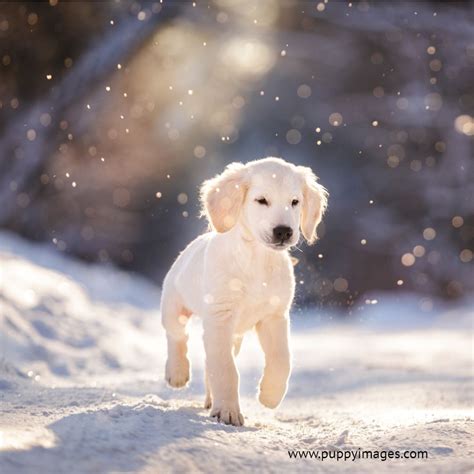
[81, 385]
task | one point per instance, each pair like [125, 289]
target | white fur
[236, 279]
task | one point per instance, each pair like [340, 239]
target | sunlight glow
[248, 57]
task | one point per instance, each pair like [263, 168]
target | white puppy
[239, 276]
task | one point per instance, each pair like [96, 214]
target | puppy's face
[271, 198]
[272, 206]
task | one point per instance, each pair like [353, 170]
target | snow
[81, 382]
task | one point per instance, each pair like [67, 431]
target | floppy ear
[222, 197]
[315, 201]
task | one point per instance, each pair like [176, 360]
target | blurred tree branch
[18, 170]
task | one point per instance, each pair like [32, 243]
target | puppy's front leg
[221, 370]
[273, 336]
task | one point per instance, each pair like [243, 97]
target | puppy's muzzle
[282, 234]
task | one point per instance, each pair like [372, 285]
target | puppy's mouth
[279, 245]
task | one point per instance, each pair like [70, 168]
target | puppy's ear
[222, 197]
[315, 201]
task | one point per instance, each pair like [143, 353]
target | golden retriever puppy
[239, 276]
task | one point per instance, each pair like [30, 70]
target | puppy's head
[272, 199]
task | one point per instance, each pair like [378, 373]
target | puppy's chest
[260, 293]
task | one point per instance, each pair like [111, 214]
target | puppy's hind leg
[174, 319]
[208, 399]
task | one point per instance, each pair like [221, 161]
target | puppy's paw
[230, 415]
[177, 372]
[271, 398]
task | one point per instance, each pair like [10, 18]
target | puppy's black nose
[282, 233]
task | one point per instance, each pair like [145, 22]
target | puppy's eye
[295, 202]
[262, 201]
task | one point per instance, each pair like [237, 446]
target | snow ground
[81, 383]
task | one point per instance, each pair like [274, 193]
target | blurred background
[113, 113]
